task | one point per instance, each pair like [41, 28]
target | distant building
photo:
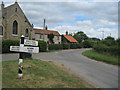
[14, 23]
[40, 35]
[68, 39]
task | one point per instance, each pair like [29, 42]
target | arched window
[1, 30]
[26, 33]
[15, 27]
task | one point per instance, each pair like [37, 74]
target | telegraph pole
[44, 30]
[103, 35]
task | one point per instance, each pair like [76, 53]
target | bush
[7, 43]
[73, 46]
[55, 46]
[65, 46]
[78, 45]
[42, 46]
[102, 48]
[87, 44]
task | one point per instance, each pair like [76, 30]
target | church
[14, 23]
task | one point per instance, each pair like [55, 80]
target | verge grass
[104, 57]
[40, 74]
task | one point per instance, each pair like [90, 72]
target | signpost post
[21, 49]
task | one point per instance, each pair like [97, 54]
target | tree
[80, 36]
[109, 41]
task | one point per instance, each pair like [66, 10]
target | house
[68, 39]
[49, 36]
[14, 23]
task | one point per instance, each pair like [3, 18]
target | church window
[1, 30]
[15, 27]
[26, 33]
[15, 9]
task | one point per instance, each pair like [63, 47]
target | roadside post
[21, 49]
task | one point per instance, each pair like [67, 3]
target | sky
[93, 17]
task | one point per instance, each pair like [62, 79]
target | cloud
[64, 16]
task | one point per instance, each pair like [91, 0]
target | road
[98, 74]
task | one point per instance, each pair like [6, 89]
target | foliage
[55, 46]
[7, 43]
[80, 36]
[87, 44]
[65, 46]
[42, 46]
[109, 41]
[78, 45]
[111, 59]
[72, 46]
[103, 48]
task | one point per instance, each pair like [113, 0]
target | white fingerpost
[21, 57]
[21, 49]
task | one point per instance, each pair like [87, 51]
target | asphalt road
[98, 74]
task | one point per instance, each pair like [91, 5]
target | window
[57, 37]
[1, 30]
[15, 9]
[41, 36]
[26, 33]
[15, 27]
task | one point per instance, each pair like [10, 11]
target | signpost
[25, 49]
[31, 42]
[22, 49]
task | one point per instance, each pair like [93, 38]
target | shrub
[65, 46]
[78, 45]
[55, 46]
[7, 43]
[102, 48]
[73, 46]
[87, 44]
[42, 46]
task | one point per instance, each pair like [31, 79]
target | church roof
[70, 38]
[8, 9]
[40, 31]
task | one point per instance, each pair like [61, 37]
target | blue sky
[88, 16]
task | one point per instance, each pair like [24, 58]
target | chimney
[46, 28]
[2, 5]
[66, 32]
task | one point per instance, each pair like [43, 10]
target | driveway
[98, 74]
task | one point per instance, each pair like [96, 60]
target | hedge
[42, 46]
[55, 46]
[102, 48]
[7, 43]
[73, 46]
[65, 46]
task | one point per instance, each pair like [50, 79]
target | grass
[40, 74]
[110, 59]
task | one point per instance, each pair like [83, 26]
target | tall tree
[80, 36]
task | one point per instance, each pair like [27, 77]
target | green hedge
[102, 48]
[65, 46]
[73, 46]
[55, 46]
[7, 43]
[42, 46]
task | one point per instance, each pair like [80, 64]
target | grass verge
[40, 74]
[101, 57]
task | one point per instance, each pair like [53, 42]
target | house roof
[40, 31]
[70, 38]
